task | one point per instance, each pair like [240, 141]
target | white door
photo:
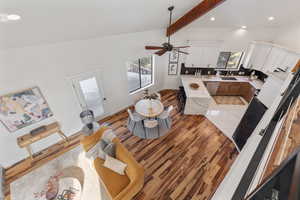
[89, 92]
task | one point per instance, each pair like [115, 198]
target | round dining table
[149, 108]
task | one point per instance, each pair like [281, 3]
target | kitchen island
[197, 100]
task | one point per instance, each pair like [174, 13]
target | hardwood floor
[287, 141]
[187, 164]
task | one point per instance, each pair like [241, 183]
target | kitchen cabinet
[290, 61]
[275, 60]
[228, 89]
[212, 87]
[267, 57]
[202, 54]
[247, 91]
[243, 89]
[258, 54]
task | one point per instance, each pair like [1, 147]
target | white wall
[49, 67]
[288, 36]
[233, 40]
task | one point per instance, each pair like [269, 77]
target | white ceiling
[49, 21]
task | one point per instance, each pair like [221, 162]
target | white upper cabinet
[275, 60]
[267, 57]
[258, 54]
[290, 61]
[203, 54]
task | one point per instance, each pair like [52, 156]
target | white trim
[153, 77]
[141, 89]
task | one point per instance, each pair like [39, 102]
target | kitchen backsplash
[210, 71]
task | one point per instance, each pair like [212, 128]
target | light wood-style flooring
[187, 164]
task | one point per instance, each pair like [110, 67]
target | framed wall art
[21, 109]
[173, 62]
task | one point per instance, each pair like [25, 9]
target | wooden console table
[26, 140]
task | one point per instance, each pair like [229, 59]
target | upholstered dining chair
[165, 118]
[135, 124]
[151, 128]
[158, 95]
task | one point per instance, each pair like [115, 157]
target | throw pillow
[115, 165]
[110, 149]
[102, 145]
[108, 136]
[97, 151]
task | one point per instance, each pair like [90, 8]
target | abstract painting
[23, 108]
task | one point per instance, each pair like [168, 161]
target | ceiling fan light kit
[167, 46]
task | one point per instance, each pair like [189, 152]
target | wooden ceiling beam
[201, 9]
[297, 67]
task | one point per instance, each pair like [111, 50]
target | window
[140, 73]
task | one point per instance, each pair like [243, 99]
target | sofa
[118, 187]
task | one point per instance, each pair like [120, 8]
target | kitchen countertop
[201, 92]
[257, 84]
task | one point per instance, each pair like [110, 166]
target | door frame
[81, 76]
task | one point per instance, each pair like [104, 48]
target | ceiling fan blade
[161, 52]
[183, 52]
[182, 47]
[153, 47]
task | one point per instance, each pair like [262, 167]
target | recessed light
[212, 19]
[13, 17]
[271, 18]
[244, 27]
[9, 17]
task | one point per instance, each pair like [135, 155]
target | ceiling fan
[167, 46]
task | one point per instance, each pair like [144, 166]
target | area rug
[68, 177]
[229, 100]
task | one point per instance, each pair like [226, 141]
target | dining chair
[158, 95]
[151, 128]
[165, 118]
[135, 124]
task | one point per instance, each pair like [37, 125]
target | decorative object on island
[167, 46]
[194, 86]
[21, 109]
[90, 125]
[28, 139]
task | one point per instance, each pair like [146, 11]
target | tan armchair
[119, 187]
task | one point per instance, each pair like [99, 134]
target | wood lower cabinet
[229, 89]
[218, 88]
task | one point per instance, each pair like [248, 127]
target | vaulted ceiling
[49, 21]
